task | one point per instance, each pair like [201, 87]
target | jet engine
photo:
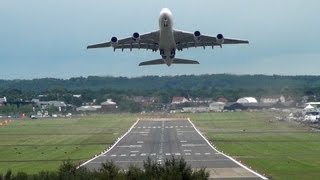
[136, 36]
[196, 35]
[220, 39]
[114, 41]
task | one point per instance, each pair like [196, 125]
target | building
[201, 100]
[108, 106]
[179, 100]
[248, 106]
[223, 99]
[216, 106]
[88, 108]
[145, 101]
[46, 104]
[246, 100]
[3, 100]
[76, 95]
[272, 99]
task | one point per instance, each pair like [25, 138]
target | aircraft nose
[165, 11]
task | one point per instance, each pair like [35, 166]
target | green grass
[42, 144]
[281, 150]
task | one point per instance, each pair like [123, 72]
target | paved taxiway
[161, 139]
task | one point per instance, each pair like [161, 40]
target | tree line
[185, 82]
[174, 168]
[120, 89]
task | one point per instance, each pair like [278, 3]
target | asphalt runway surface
[162, 139]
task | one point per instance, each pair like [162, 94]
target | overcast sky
[48, 38]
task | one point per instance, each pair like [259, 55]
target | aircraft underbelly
[167, 40]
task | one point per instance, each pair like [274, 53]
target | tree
[109, 171]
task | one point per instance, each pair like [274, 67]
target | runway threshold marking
[130, 146]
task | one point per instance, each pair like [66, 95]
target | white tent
[309, 107]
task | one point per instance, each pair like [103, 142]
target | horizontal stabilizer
[152, 62]
[175, 61]
[184, 61]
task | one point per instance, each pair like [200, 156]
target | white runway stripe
[192, 145]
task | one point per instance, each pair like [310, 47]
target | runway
[164, 138]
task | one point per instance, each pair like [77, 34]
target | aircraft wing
[186, 40]
[145, 41]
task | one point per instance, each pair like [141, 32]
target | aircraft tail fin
[184, 61]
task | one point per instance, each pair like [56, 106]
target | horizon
[178, 75]
[49, 39]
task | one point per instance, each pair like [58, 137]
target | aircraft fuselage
[167, 44]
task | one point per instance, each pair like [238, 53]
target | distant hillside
[185, 82]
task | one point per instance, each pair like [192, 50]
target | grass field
[35, 145]
[281, 150]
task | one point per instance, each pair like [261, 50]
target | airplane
[167, 40]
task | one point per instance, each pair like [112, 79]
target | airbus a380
[167, 40]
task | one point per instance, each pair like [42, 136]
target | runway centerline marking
[161, 142]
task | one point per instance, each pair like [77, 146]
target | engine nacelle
[196, 35]
[136, 36]
[220, 39]
[114, 41]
